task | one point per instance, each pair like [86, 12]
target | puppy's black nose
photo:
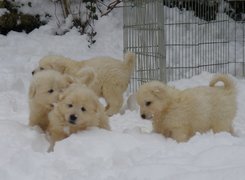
[72, 119]
[143, 116]
[33, 72]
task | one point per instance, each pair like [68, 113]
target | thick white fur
[180, 114]
[112, 79]
[78, 101]
[41, 97]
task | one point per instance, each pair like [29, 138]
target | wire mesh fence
[143, 34]
[176, 39]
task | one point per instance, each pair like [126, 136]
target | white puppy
[43, 92]
[180, 114]
[78, 108]
[112, 79]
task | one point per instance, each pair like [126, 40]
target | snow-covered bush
[12, 19]
[83, 13]
[26, 15]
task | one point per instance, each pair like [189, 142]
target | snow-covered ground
[130, 151]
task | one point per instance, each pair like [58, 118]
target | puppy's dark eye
[69, 105]
[50, 91]
[41, 68]
[148, 103]
[83, 109]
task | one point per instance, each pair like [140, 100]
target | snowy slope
[130, 151]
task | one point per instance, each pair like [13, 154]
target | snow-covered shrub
[12, 19]
[26, 15]
[83, 13]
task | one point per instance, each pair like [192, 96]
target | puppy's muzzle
[33, 72]
[72, 119]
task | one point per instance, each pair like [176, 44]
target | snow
[130, 151]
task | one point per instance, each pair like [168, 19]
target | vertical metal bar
[143, 39]
[154, 64]
[242, 23]
[228, 53]
[161, 40]
[235, 49]
[146, 35]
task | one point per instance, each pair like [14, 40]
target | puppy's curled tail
[228, 83]
[129, 60]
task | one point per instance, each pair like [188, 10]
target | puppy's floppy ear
[58, 66]
[69, 79]
[32, 90]
[159, 91]
[86, 75]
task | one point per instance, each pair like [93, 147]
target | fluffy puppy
[43, 92]
[180, 114]
[112, 79]
[78, 108]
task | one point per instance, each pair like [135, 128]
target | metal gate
[176, 39]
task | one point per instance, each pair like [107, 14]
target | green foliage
[91, 8]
